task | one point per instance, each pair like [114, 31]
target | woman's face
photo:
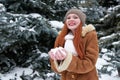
[72, 21]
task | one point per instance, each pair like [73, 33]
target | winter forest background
[28, 29]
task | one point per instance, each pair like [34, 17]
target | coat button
[73, 76]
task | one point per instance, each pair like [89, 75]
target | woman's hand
[52, 53]
[60, 54]
[57, 53]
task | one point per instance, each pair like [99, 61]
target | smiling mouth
[72, 24]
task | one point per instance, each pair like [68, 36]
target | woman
[76, 49]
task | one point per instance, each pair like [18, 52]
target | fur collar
[86, 29]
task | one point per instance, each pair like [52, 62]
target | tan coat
[74, 68]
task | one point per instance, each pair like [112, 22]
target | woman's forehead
[72, 14]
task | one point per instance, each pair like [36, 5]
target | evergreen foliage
[24, 37]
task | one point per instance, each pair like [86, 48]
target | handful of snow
[58, 48]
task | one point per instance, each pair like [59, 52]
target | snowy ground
[12, 74]
[113, 76]
[19, 72]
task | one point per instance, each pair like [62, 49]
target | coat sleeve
[87, 64]
[53, 66]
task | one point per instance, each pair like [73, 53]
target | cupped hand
[57, 53]
[60, 54]
[51, 53]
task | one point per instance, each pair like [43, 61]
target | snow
[12, 74]
[106, 57]
[114, 43]
[104, 50]
[23, 28]
[56, 24]
[108, 37]
[50, 74]
[112, 9]
[35, 15]
[100, 62]
[2, 8]
[44, 55]
[107, 77]
[19, 71]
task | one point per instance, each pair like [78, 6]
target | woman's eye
[75, 17]
[68, 17]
